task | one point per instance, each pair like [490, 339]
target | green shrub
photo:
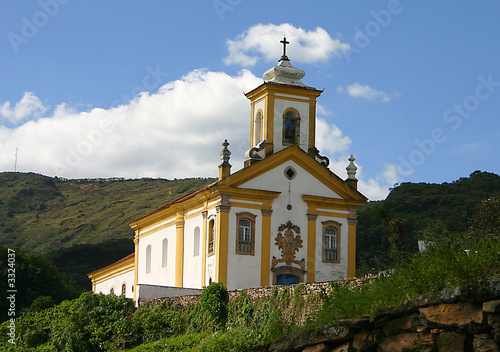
[214, 300]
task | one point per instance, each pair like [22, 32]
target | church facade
[283, 218]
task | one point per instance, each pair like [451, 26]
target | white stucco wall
[192, 263]
[116, 282]
[303, 183]
[243, 270]
[159, 275]
[326, 271]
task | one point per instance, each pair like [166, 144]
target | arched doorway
[287, 279]
[287, 275]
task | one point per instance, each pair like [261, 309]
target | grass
[445, 266]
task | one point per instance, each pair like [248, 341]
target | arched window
[245, 238]
[196, 242]
[164, 253]
[112, 291]
[148, 259]
[211, 237]
[258, 128]
[124, 290]
[291, 127]
[331, 241]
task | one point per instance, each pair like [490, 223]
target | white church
[284, 218]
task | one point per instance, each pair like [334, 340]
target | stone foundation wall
[465, 319]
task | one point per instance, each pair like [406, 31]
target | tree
[399, 228]
[487, 218]
[33, 275]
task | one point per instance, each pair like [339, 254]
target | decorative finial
[225, 167]
[351, 169]
[284, 42]
[225, 154]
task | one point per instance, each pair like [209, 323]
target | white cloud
[262, 41]
[378, 188]
[329, 138]
[174, 133]
[357, 90]
[28, 106]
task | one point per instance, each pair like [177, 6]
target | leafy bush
[214, 300]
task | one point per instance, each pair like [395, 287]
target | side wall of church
[193, 243]
[124, 278]
[162, 270]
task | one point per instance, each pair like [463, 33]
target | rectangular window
[331, 230]
[211, 237]
[245, 240]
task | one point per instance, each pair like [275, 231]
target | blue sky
[151, 89]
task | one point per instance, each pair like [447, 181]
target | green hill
[427, 207]
[40, 214]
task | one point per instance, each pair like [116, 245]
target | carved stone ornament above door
[289, 242]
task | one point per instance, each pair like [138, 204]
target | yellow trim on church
[118, 268]
[351, 255]
[265, 259]
[179, 250]
[311, 248]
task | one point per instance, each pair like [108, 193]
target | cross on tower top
[284, 42]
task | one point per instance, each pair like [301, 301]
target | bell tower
[283, 112]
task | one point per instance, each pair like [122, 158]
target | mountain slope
[40, 214]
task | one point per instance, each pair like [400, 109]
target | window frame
[251, 218]
[211, 235]
[337, 226]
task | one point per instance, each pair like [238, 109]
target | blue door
[287, 279]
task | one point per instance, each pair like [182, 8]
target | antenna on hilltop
[15, 162]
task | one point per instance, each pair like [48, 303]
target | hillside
[41, 214]
[431, 208]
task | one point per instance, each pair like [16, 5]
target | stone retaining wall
[464, 319]
[259, 292]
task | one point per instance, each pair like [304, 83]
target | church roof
[112, 265]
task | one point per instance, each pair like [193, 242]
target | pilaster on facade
[311, 247]
[179, 249]
[265, 261]
[204, 215]
[352, 221]
[136, 263]
[222, 243]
